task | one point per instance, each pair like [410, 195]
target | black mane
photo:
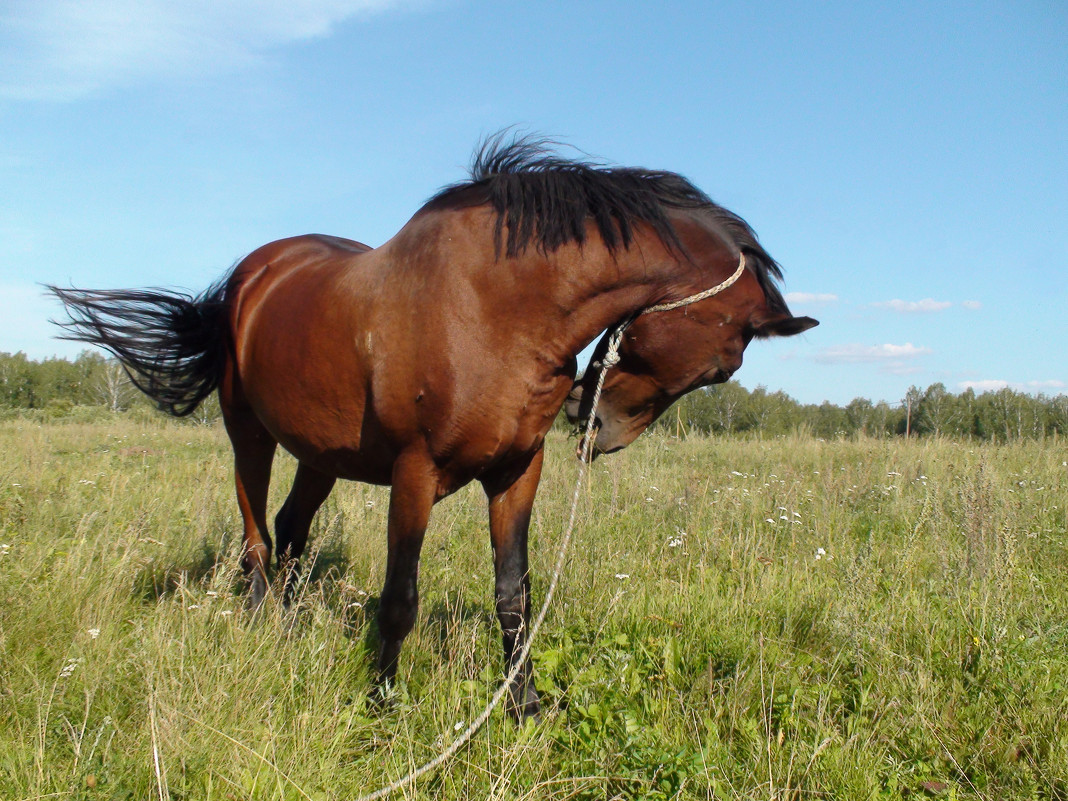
[545, 200]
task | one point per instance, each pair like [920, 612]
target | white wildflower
[94, 633]
[69, 668]
[622, 576]
[820, 553]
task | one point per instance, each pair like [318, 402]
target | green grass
[701, 645]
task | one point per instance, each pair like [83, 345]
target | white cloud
[1045, 385]
[925, 306]
[971, 304]
[810, 297]
[869, 354]
[65, 49]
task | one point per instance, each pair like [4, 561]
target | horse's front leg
[413, 494]
[511, 498]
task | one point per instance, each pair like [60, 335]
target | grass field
[739, 619]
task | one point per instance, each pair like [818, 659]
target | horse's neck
[605, 288]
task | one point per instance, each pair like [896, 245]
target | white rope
[700, 295]
[610, 358]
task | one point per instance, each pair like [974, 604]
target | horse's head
[665, 354]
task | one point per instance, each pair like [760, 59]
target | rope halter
[611, 356]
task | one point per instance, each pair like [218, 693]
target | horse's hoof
[383, 697]
[257, 593]
[526, 705]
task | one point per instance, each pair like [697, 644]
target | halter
[611, 356]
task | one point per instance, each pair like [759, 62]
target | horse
[444, 355]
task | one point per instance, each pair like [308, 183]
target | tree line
[57, 387]
[1004, 415]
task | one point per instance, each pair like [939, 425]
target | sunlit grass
[738, 619]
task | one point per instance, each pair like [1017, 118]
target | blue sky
[906, 163]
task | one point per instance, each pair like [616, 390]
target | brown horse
[444, 355]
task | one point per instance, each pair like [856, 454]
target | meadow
[739, 618]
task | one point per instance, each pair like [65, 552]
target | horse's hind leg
[291, 524]
[511, 498]
[254, 449]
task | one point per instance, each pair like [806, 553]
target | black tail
[173, 346]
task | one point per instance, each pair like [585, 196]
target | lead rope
[610, 358]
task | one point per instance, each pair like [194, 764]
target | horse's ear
[783, 326]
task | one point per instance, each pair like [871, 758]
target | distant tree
[1005, 410]
[112, 387]
[1057, 420]
[18, 381]
[831, 421]
[885, 419]
[937, 412]
[910, 403]
[726, 403]
[861, 416]
[208, 411]
[770, 412]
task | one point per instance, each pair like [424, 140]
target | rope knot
[611, 359]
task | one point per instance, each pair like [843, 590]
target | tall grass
[738, 619]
